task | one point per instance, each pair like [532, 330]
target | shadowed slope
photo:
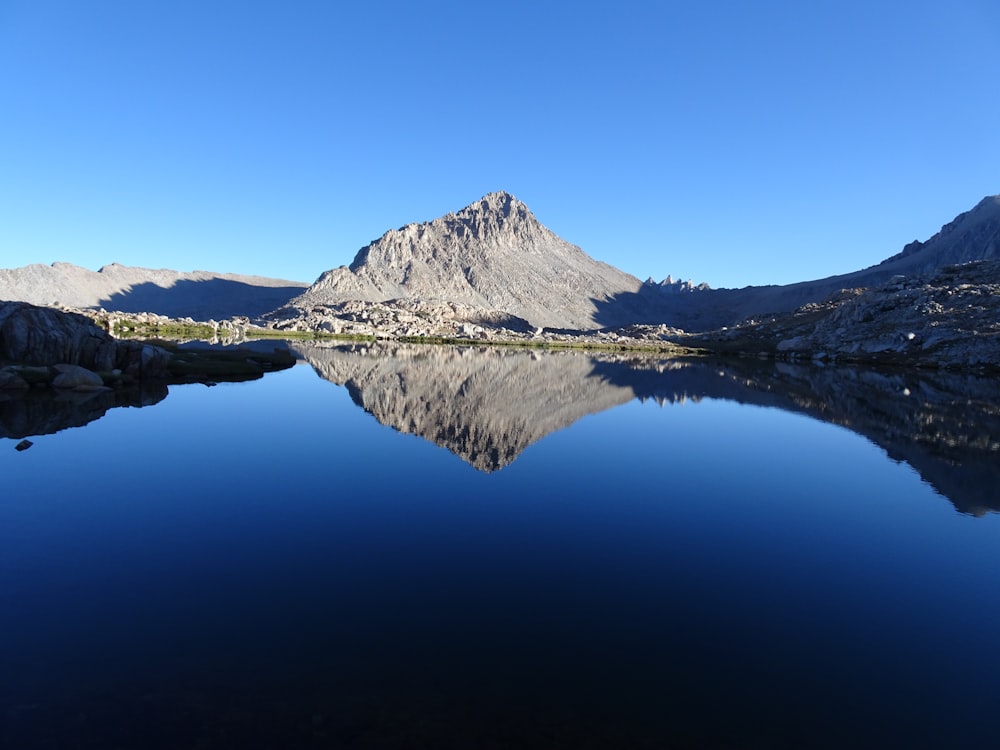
[197, 294]
[971, 236]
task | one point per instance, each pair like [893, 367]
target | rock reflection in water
[944, 425]
[44, 411]
[488, 405]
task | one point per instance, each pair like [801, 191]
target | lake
[434, 547]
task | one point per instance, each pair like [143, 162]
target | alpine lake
[463, 547]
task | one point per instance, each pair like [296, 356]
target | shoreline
[738, 343]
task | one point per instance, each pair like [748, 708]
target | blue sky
[730, 142]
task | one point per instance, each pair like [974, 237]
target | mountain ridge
[476, 257]
[971, 236]
[496, 261]
[979, 238]
[197, 294]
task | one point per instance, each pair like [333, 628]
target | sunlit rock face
[493, 254]
[484, 406]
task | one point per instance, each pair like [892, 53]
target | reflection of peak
[488, 405]
[484, 406]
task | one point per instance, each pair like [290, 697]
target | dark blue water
[267, 565]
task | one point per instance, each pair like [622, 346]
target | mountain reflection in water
[263, 565]
[488, 405]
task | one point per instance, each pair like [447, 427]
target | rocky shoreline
[69, 351]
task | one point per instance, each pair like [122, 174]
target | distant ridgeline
[201, 295]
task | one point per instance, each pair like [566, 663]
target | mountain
[971, 236]
[495, 261]
[493, 254]
[198, 294]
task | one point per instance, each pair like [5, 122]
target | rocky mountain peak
[493, 254]
[499, 202]
[498, 210]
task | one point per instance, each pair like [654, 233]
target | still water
[505, 549]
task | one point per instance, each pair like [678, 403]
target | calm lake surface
[505, 549]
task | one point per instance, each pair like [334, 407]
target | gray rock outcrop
[494, 255]
[405, 318]
[31, 335]
[947, 318]
[76, 378]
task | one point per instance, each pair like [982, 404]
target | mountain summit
[493, 254]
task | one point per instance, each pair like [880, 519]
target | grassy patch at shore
[273, 333]
[125, 329]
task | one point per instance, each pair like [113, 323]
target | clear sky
[728, 142]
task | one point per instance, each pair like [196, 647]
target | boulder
[76, 377]
[32, 335]
[10, 380]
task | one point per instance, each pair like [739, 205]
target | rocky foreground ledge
[42, 346]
